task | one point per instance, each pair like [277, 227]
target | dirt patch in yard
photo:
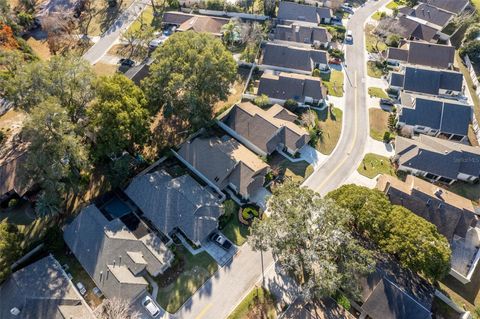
[101, 68]
[236, 91]
[40, 48]
[378, 123]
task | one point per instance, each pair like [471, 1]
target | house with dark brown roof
[302, 35]
[437, 159]
[225, 163]
[197, 23]
[453, 215]
[265, 131]
[421, 53]
[304, 89]
[11, 183]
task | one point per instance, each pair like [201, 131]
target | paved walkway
[312, 156]
[113, 34]
[154, 285]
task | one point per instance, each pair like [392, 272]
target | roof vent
[15, 311]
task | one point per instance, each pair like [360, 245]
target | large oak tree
[192, 71]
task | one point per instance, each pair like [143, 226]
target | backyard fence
[473, 75]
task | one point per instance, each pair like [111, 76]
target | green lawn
[476, 4]
[377, 15]
[235, 231]
[377, 92]
[259, 303]
[378, 123]
[331, 126]
[181, 280]
[392, 5]
[146, 18]
[468, 79]
[334, 83]
[373, 164]
[23, 217]
[374, 70]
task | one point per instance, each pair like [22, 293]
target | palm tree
[230, 31]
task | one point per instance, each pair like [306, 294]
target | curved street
[348, 153]
[218, 296]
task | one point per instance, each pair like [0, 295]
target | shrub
[343, 301]
[316, 72]
[54, 239]
[249, 213]
[13, 202]
[386, 136]
[393, 40]
[262, 101]
[336, 53]
[290, 105]
[2, 137]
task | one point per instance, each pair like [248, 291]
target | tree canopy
[192, 71]
[69, 79]
[56, 154]
[10, 249]
[310, 238]
[118, 118]
[414, 241]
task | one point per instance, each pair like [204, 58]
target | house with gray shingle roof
[114, 255]
[293, 59]
[455, 7]
[425, 80]
[225, 163]
[176, 203]
[268, 130]
[434, 116]
[292, 11]
[194, 22]
[42, 290]
[428, 15]
[414, 30]
[302, 35]
[421, 53]
[437, 159]
[304, 89]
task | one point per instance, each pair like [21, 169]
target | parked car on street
[349, 36]
[221, 241]
[81, 288]
[150, 306]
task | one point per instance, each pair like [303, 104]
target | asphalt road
[348, 153]
[113, 34]
[220, 294]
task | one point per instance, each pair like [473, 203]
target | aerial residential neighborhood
[223, 159]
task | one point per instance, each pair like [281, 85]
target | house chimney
[438, 192]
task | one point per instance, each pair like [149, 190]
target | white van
[349, 36]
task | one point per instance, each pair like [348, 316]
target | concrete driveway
[221, 256]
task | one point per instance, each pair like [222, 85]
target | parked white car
[150, 306]
[349, 36]
[81, 288]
